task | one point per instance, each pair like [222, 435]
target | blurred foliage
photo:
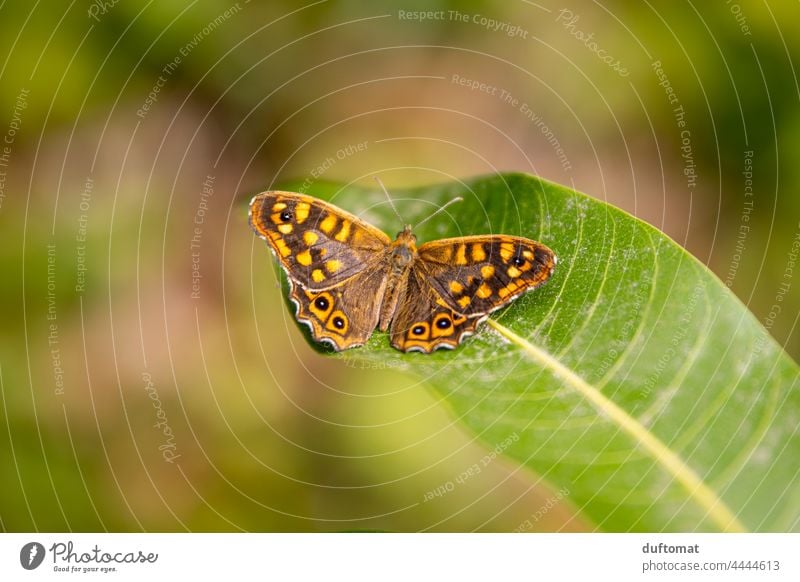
[274, 437]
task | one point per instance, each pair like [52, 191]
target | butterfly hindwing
[343, 316]
[424, 323]
[318, 245]
[476, 275]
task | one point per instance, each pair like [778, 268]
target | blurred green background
[151, 376]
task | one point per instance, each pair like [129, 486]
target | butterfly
[347, 277]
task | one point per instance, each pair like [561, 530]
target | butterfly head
[406, 235]
[404, 247]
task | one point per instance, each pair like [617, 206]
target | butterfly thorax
[403, 250]
[401, 256]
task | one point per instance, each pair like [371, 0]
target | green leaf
[633, 379]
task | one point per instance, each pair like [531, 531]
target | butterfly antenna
[453, 201]
[389, 198]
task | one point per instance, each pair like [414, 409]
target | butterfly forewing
[319, 245]
[476, 275]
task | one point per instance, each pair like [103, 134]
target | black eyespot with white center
[443, 323]
[418, 330]
[338, 322]
[321, 303]
[518, 261]
[286, 216]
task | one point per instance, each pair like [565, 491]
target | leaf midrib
[668, 459]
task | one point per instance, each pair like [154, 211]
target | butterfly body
[402, 254]
[347, 277]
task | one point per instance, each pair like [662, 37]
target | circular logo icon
[31, 555]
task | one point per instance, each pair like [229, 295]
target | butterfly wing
[317, 244]
[456, 283]
[334, 261]
[477, 275]
[423, 322]
[343, 316]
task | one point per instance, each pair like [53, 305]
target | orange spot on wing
[442, 332]
[344, 232]
[328, 224]
[280, 246]
[509, 289]
[461, 255]
[484, 291]
[301, 212]
[337, 317]
[506, 251]
[321, 313]
[420, 326]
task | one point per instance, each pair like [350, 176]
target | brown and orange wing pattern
[317, 244]
[424, 323]
[339, 267]
[476, 275]
[344, 316]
